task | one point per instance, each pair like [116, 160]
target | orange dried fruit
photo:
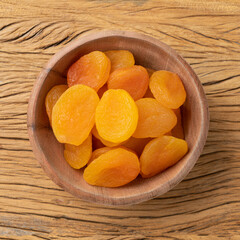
[73, 114]
[133, 79]
[154, 119]
[120, 59]
[91, 69]
[52, 97]
[96, 153]
[116, 116]
[168, 89]
[160, 154]
[105, 142]
[136, 144]
[177, 131]
[78, 156]
[114, 168]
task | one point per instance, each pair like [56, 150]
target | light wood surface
[206, 205]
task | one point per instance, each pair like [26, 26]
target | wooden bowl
[148, 52]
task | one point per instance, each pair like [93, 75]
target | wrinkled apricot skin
[91, 69]
[136, 144]
[168, 89]
[73, 114]
[133, 79]
[177, 131]
[96, 153]
[52, 97]
[154, 119]
[105, 142]
[116, 116]
[114, 168]
[78, 156]
[120, 59]
[160, 154]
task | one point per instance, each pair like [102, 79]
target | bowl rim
[129, 200]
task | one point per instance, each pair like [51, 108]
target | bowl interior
[148, 53]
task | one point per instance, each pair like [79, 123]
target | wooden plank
[205, 205]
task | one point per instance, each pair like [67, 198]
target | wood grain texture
[206, 205]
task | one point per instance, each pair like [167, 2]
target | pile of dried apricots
[118, 119]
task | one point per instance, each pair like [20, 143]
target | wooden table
[206, 205]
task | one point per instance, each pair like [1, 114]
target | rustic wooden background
[206, 205]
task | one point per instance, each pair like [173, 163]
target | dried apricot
[154, 119]
[133, 79]
[96, 153]
[91, 69]
[168, 89]
[161, 153]
[52, 97]
[114, 168]
[78, 156]
[73, 114]
[116, 116]
[136, 144]
[120, 59]
[177, 131]
[105, 142]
